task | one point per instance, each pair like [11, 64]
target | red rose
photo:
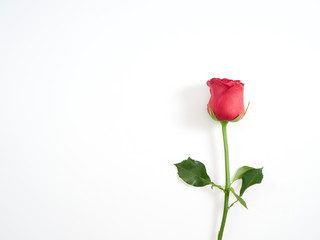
[226, 100]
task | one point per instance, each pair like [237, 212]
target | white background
[100, 98]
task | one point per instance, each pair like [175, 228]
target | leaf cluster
[194, 173]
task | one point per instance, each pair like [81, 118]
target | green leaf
[250, 178]
[241, 115]
[193, 172]
[212, 114]
[239, 198]
[240, 172]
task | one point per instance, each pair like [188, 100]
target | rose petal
[230, 105]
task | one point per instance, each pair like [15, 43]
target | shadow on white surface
[194, 100]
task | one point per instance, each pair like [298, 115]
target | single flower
[226, 100]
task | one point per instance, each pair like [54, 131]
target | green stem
[215, 185]
[233, 203]
[227, 187]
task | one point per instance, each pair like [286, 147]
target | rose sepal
[212, 114]
[241, 115]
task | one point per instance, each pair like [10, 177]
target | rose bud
[226, 102]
